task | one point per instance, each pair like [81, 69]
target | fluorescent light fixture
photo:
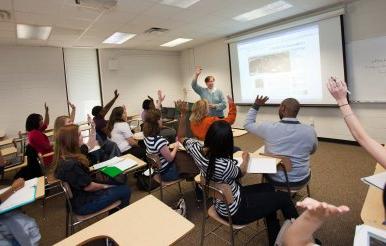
[33, 32]
[180, 3]
[263, 11]
[176, 42]
[118, 38]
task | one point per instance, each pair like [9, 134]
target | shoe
[181, 207]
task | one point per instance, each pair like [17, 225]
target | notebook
[118, 168]
[21, 197]
[369, 236]
[377, 180]
[259, 165]
[110, 162]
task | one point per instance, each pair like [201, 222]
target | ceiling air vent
[98, 4]
[5, 15]
[156, 30]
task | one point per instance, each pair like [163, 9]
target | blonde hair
[60, 121]
[199, 111]
[67, 145]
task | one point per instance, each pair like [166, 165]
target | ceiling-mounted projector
[106, 4]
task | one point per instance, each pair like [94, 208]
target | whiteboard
[366, 64]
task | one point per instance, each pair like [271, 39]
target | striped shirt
[226, 171]
[154, 146]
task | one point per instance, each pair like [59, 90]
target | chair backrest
[68, 194]
[153, 161]
[41, 161]
[220, 191]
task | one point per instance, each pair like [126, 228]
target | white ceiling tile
[51, 7]
[72, 23]
[134, 6]
[7, 26]
[7, 34]
[6, 4]
[76, 11]
[34, 19]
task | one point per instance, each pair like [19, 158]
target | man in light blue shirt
[287, 137]
[215, 97]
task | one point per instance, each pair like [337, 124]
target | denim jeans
[108, 197]
[171, 173]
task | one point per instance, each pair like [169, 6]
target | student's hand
[161, 97]
[261, 100]
[72, 106]
[90, 121]
[116, 94]
[176, 145]
[321, 210]
[17, 184]
[212, 106]
[197, 71]
[45, 107]
[338, 90]
[150, 98]
[230, 99]
[181, 106]
[246, 156]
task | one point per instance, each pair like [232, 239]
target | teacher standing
[214, 96]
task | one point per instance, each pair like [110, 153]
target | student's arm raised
[110, 104]
[338, 90]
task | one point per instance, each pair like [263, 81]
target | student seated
[120, 133]
[148, 104]
[95, 156]
[287, 137]
[99, 114]
[300, 232]
[215, 160]
[16, 228]
[156, 144]
[35, 127]
[89, 196]
[200, 121]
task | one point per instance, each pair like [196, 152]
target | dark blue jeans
[109, 196]
[170, 174]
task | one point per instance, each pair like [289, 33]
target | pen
[334, 79]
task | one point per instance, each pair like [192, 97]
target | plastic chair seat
[157, 178]
[81, 218]
[214, 215]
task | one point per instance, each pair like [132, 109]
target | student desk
[145, 222]
[256, 155]
[6, 142]
[8, 151]
[238, 132]
[40, 188]
[373, 212]
[140, 163]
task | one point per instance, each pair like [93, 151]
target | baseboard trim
[340, 141]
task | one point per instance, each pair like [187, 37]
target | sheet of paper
[365, 234]
[125, 164]
[259, 165]
[110, 162]
[138, 136]
[21, 197]
[377, 180]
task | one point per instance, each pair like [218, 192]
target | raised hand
[72, 106]
[161, 97]
[90, 121]
[45, 107]
[181, 106]
[116, 94]
[261, 100]
[338, 89]
[230, 99]
[197, 70]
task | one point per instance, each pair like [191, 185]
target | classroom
[193, 122]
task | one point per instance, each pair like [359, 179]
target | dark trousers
[261, 200]
[137, 152]
[108, 197]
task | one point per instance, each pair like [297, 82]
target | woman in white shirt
[120, 133]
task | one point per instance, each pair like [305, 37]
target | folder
[111, 171]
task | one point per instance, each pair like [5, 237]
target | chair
[50, 182]
[98, 240]
[154, 164]
[134, 124]
[286, 165]
[222, 192]
[73, 219]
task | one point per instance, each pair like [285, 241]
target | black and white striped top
[226, 171]
[154, 146]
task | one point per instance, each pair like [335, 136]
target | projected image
[273, 63]
[281, 65]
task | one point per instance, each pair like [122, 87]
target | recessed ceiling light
[176, 42]
[180, 3]
[263, 11]
[118, 38]
[33, 32]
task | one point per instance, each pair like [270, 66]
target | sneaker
[181, 206]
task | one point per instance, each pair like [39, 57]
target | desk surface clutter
[147, 221]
